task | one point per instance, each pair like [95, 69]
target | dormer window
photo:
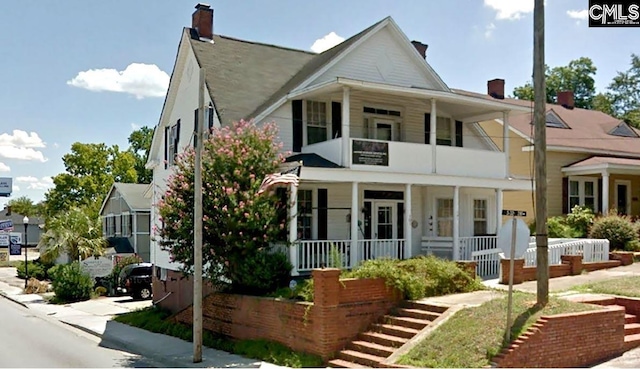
[552, 120]
[623, 130]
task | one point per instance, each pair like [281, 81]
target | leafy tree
[577, 76]
[238, 224]
[24, 206]
[624, 93]
[73, 232]
[139, 146]
[91, 169]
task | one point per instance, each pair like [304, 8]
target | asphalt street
[29, 340]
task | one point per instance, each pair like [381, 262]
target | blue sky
[91, 71]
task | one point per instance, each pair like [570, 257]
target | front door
[385, 230]
[622, 198]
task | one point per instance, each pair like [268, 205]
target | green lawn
[155, 320]
[474, 335]
[627, 286]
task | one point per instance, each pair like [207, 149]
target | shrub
[418, 277]
[35, 269]
[261, 273]
[619, 230]
[72, 284]
[53, 271]
[558, 228]
[580, 219]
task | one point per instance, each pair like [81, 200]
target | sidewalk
[95, 317]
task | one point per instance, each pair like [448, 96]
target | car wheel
[144, 293]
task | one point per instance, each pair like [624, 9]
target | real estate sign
[6, 185]
[370, 152]
[15, 243]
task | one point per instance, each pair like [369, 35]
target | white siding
[186, 102]
[284, 119]
[381, 58]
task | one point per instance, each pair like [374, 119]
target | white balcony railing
[330, 150]
[460, 161]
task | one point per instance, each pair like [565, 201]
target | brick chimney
[422, 48]
[495, 88]
[202, 20]
[565, 98]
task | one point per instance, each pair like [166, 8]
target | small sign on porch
[370, 152]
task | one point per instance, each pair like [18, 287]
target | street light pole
[25, 220]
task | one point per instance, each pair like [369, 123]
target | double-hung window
[479, 217]
[583, 192]
[316, 121]
[444, 133]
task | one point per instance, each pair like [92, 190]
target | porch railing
[592, 250]
[314, 254]
[469, 245]
[378, 249]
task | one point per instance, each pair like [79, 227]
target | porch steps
[372, 347]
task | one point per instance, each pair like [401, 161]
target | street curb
[79, 327]
[14, 300]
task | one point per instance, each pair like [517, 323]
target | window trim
[486, 214]
[581, 191]
[305, 120]
[437, 216]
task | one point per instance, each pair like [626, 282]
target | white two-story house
[394, 163]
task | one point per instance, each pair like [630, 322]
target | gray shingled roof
[245, 78]
[241, 75]
[133, 194]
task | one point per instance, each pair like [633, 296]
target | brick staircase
[631, 324]
[372, 347]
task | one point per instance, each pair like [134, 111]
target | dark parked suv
[135, 280]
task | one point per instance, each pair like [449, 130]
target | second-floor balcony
[411, 158]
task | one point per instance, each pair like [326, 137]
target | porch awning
[121, 245]
[312, 160]
[603, 164]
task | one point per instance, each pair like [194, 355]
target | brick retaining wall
[571, 265]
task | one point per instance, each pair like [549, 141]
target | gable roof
[133, 195]
[590, 130]
[242, 75]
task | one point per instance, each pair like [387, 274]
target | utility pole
[197, 226]
[540, 145]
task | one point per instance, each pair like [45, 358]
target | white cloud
[510, 9]
[20, 145]
[326, 42]
[21, 139]
[35, 183]
[4, 167]
[134, 127]
[578, 14]
[488, 32]
[140, 80]
[56, 145]
[15, 188]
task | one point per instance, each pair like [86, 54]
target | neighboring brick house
[394, 161]
[125, 216]
[593, 159]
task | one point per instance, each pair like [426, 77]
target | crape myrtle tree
[239, 226]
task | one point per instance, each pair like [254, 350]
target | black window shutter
[401, 229]
[177, 136]
[323, 214]
[211, 115]
[367, 220]
[458, 133]
[427, 128]
[296, 111]
[166, 147]
[565, 195]
[282, 212]
[600, 195]
[195, 128]
[336, 119]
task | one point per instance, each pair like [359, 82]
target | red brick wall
[571, 265]
[567, 340]
[590, 267]
[341, 310]
[177, 289]
[632, 305]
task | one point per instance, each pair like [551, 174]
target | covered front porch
[394, 217]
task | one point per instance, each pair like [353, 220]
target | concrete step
[383, 339]
[371, 348]
[630, 318]
[425, 307]
[631, 328]
[395, 330]
[360, 358]
[339, 363]
[417, 314]
[406, 322]
[631, 341]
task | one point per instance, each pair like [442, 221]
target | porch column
[346, 141]
[407, 221]
[456, 222]
[499, 205]
[354, 225]
[293, 229]
[505, 143]
[432, 134]
[605, 193]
